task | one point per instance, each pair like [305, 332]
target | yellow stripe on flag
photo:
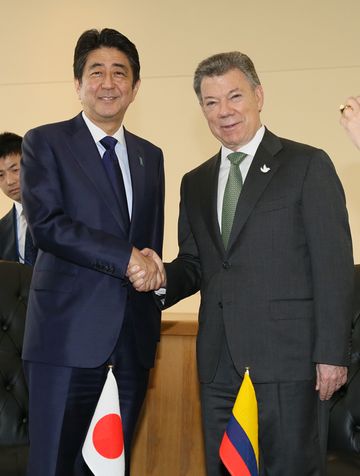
[245, 411]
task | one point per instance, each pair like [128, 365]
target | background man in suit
[350, 119]
[89, 222]
[15, 239]
[274, 267]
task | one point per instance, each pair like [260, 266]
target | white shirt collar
[98, 134]
[18, 207]
[250, 148]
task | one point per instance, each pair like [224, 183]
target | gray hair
[221, 63]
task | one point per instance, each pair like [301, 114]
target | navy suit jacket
[79, 293]
[8, 248]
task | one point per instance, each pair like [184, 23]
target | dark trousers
[289, 442]
[62, 401]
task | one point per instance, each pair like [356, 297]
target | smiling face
[106, 88]
[10, 176]
[232, 106]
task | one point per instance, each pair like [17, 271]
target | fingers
[161, 269]
[146, 271]
[351, 106]
[350, 119]
[329, 379]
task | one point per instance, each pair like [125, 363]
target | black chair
[344, 426]
[14, 286]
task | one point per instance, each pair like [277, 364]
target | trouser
[62, 401]
[289, 423]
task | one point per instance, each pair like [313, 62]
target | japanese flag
[103, 449]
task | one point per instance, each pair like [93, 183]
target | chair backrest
[14, 288]
[344, 427]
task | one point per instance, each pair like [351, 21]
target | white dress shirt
[250, 149]
[121, 152]
[21, 227]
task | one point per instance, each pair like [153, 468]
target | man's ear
[77, 85]
[259, 94]
[136, 88]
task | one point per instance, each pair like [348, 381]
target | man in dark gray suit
[275, 270]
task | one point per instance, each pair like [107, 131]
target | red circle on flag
[108, 436]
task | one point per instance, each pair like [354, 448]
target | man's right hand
[146, 271]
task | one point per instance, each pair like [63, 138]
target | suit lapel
[137, 172]
[262, 170]
[87, 156]
[8, 236]
[208, 188]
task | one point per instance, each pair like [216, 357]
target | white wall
[306, 54]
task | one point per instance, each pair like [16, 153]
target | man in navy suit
[13, 226]
[83, 314]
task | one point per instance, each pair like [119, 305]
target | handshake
[146, 271]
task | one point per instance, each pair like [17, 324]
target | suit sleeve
[53, 228]
[329, 240]
[184, 273]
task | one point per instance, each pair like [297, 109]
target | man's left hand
[329, 378]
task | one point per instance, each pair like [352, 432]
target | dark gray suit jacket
[282, 290]
[8, 248]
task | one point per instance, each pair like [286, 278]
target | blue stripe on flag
[240, 440]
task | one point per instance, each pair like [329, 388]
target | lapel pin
[265, 169]
[141, 161]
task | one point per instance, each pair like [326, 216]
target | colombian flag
[239, 449]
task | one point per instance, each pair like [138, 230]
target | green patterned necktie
[231, 195]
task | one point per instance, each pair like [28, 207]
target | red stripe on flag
[231, 458]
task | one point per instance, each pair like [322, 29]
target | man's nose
[224, 108]
[108, 81]
[10, 179]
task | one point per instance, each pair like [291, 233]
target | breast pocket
[271, 205]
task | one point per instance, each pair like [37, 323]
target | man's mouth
[108, 98]
[229, 127]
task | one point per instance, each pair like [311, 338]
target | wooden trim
[178, 324]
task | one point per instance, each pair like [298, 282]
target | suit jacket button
[220, 304]
[226, 265]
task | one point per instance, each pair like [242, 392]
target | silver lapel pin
[141, 161]
[265, 169]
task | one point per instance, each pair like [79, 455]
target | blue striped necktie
[113, 170]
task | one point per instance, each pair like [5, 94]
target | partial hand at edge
[350, 119]
[146, 271]
[329, 378]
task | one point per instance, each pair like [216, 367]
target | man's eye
[95, 74]
[235, 97]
